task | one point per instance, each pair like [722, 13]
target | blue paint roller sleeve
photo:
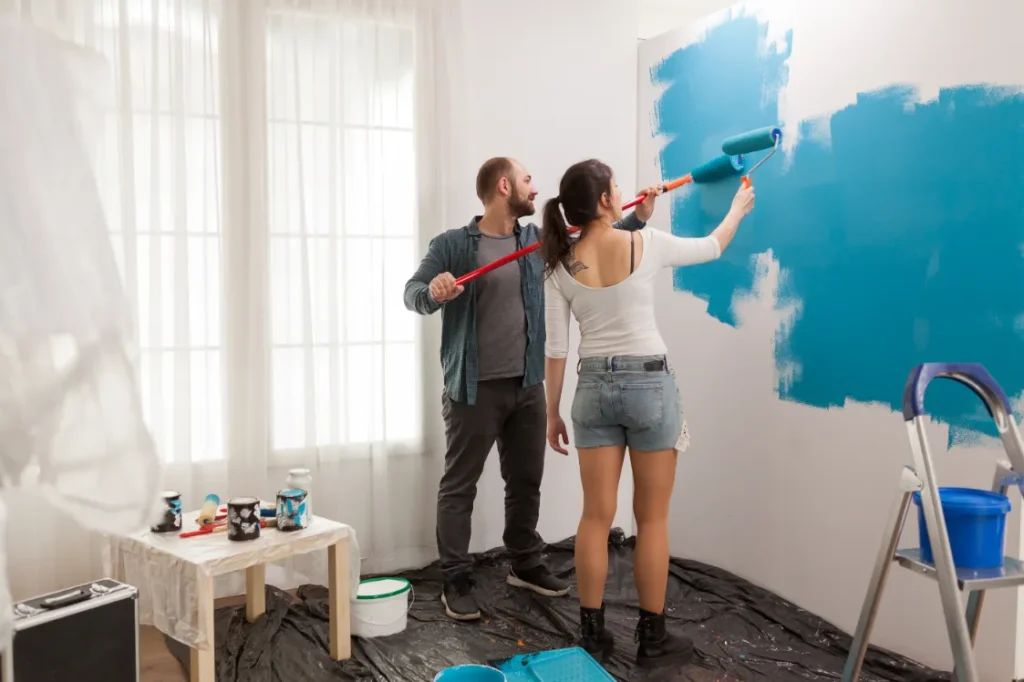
[717, 169]
[751, 141]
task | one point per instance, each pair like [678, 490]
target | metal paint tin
[292, 510]
[170, 521]
[243, 518]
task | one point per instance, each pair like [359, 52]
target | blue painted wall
[902, 238]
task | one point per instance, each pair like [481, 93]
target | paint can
[300, 478]
[170, 521]
[243, 518]
[292, 511]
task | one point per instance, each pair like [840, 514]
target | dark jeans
[515, 417]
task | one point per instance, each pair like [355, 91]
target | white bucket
[381, 607]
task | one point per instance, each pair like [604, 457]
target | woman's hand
[645, 209]
[556, 429]
[743, 202]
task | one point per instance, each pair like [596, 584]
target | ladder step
[1010, 574]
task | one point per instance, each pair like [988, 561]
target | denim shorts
[628, 400]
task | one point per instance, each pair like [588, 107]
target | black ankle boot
[597, 641]
[658, 647]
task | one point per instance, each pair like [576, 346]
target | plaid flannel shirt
[455, 251]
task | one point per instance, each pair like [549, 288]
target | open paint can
[292, 510]
[243, 518]
[170, 520]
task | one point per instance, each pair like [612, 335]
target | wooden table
[175, 577]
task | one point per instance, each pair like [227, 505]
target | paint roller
[714, 170]
[208, 512]
[753, 141]
[717, 169]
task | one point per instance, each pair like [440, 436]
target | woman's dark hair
[579, 195]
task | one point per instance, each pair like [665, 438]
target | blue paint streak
[901, 238]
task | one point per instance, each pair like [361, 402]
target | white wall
[548, 97]
[655, 17]
[791, 497]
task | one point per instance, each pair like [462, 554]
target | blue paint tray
[560, 665]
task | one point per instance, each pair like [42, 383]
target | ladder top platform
[969, 579]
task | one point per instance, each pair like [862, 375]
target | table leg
[201, 666]
[337, 578]
[255, 592]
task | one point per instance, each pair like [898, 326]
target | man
[492, 354]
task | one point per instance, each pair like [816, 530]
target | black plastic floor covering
[741, 632]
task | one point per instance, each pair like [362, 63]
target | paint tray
[560, 665]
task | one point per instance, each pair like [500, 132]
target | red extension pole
[470, 276]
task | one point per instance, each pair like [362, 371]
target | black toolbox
[88, 633]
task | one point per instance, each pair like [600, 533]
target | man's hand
[556, 430]
[443, 288]
[645, 209]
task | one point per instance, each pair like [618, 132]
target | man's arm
[630, 223]
[417, 289]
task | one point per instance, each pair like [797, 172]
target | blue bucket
[470, 673]
[975, 523]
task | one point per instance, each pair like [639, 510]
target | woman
[626, 395]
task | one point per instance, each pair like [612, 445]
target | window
[342, 201]
[160, 177]
[343, 354]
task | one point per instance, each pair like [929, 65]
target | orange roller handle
[667, 187]
[678, 182]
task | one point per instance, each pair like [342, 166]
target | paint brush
[216, 528]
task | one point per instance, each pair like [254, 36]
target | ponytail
[554, 247]
[579, 193]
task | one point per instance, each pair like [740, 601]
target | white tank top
[619, 320]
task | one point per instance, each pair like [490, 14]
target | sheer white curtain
[349, 97]
[268, 168]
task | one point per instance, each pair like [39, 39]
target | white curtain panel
[270, 170]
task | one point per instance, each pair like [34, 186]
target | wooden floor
[156, 662]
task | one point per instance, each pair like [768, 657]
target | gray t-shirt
[500, 315]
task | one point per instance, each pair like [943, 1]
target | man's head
[505, 181]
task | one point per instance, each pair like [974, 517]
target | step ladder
[961, 623]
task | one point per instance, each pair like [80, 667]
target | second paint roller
[753, 141]
[717, 169]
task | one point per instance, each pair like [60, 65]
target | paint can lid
[381, 588]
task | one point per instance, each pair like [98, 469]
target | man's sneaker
[540, 580]
[457, 597]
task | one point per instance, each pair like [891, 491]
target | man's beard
[520, 206]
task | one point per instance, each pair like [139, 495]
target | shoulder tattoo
[575, 266]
